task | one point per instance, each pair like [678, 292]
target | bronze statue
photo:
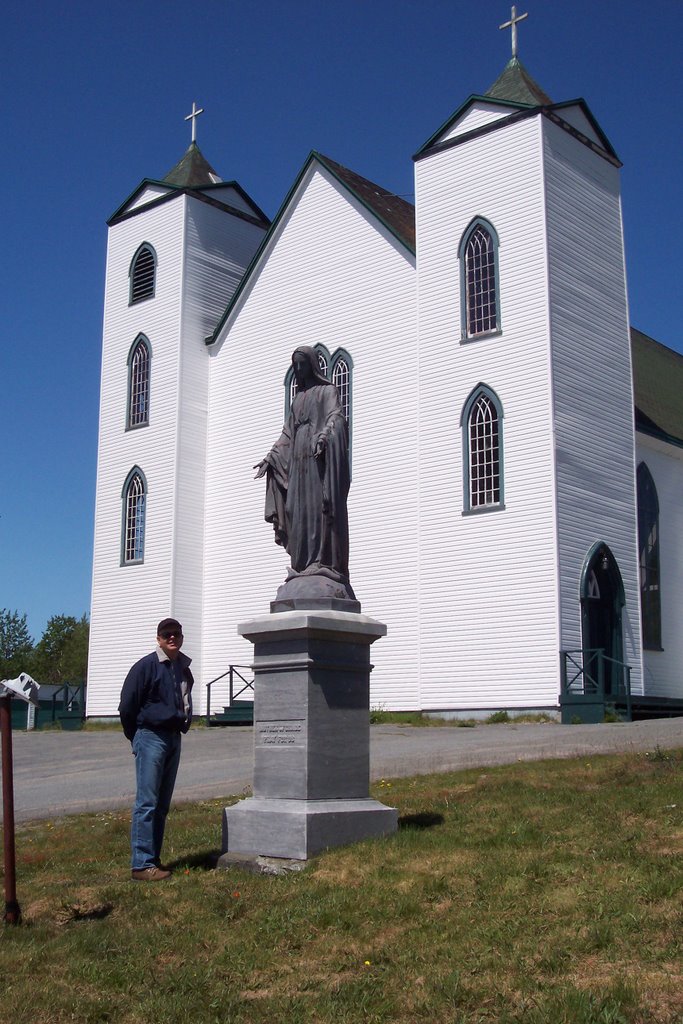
[307, 484]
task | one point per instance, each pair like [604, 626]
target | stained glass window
[134, 519]
[138, 384]
[648, 552]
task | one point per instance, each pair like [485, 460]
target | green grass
[378, 716]
[541, 892]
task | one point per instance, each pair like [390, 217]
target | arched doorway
[602, 600]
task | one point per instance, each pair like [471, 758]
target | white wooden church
[517, 449]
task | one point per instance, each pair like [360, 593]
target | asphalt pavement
[58, 773]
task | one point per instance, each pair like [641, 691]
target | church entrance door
[602, 600]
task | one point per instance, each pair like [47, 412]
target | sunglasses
[168, 633]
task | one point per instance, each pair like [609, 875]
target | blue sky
[95, 96]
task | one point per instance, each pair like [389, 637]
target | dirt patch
[673, 846]
[84, 910]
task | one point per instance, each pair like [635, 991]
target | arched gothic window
[323, 359]
[139, 359]
[142, 274]
[648, 552]
[134, 501]
[482, 426]
[479, 279]
[342, 370]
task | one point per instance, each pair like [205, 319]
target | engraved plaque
[280, 734]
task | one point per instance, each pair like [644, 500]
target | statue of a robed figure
[307, 486]
[311, 653]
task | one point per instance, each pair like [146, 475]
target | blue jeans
[157, 755]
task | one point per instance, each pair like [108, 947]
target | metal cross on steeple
[512, 23]
[195, 114]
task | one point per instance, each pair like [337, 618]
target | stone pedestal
[311, 737]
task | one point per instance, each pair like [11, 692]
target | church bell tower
[528, 423]
[177, 249]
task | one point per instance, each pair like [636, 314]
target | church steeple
[193, 170]
[516, 85]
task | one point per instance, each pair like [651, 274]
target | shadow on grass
[418, 821]
[94, 914]
[206, 860]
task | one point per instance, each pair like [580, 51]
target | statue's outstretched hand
[260, 468]
[320, 448]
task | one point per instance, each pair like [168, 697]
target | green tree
[61, 656]
[16, 644]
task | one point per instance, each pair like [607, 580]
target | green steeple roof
[193, 170]
[516, 85]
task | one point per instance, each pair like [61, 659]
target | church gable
[193, 175]
[476, 113]
[578, 116]
[575, 117]
[331, 276]
[228, 196]
[513, 92]
[323, 186]
[514, 96]
[148, 191]
[230, 193]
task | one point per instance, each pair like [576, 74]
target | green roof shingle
[657, 388]
[193, 170]
[397, 213]
[516, 85]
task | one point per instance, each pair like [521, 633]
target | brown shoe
[150, 875]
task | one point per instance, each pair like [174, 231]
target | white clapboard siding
[488, 581]
[335, 276]
[228, 194]
[477, 115]
[477, 605]
[218, 248]
[576, 117]
[201, 255]
[591, 368]
[127, 601]
[663, 671]
[148, 195]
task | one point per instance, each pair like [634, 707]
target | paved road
[57, 773]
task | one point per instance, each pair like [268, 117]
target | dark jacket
[148, 697]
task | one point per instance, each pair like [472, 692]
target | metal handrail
[626, 680]
[247, 685]
[72, 692]
[208, 694]
[233, 696]
[582, 670]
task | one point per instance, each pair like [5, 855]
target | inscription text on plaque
[280, 734]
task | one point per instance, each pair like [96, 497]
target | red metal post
[12, 911]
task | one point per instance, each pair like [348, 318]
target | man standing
[155, 708]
